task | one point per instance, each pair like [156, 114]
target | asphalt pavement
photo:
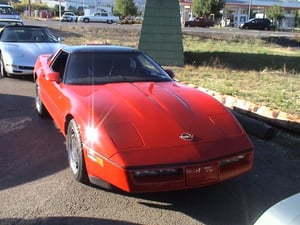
[36, 186]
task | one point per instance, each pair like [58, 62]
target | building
[89, 4]
[238, 11]
[185, 9]
[235, 12]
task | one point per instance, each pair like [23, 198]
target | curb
[263, 113]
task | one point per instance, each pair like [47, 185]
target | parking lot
[36, 185]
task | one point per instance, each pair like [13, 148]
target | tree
[276, 14]
[202, 8]
[39, 6]
[21, 6]
[126, 7]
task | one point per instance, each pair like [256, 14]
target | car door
[254, 24]
[97, 17]
[105, 17]
[54, 97]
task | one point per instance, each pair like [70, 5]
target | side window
[147, 64]
[59, 64]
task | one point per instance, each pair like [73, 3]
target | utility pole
[249, 10]
[29, 7]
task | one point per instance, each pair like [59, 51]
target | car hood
[285, 212]
[160, 116]
[26, 53]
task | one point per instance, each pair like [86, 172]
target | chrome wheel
[40, 108]
[3, 72]
[75, 153]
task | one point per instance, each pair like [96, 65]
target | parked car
[256, 24]
[69, 17]
[5, 22]
[101, 17]
[285, 212]
[8, 12]
[21, 45]
[129, 125]
[198, 22]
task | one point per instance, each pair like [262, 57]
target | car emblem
[186, 136]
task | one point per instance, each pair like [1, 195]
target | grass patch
[265, 71]
[270, 88]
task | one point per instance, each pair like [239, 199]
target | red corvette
[129, 125]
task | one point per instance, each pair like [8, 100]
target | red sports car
[129, 124]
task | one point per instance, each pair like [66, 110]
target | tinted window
[59, 64]
[97, 68]
[27, 34]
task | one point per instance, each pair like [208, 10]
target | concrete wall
[161, 35]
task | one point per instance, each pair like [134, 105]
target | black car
[257, 24]
[198, 22]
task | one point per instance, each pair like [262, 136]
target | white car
[21, 45]
[285, 212]
[5, 22]
[69, 17]
[101, 17]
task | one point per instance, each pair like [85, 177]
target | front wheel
[3, 72]
[40, 108]
[75, 153]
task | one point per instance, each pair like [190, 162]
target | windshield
[27, 34]
[4, 23]
[112, 67]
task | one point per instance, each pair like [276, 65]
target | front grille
[26, 67]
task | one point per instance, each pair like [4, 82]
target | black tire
[75, 153]
[39, 106]
[3, 72]
[86, 20]
[109, 21]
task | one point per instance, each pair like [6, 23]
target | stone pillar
[161, 35]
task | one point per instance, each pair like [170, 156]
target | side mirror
[170, 73]
[53, 76]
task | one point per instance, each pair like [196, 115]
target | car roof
[13, 20]
[99, 48]
[25, 26]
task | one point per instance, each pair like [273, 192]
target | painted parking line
[9, 125]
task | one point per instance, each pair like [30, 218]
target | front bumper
[171, 177]
[193, 175]
[19, 70]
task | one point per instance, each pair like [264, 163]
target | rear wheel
[75, 153]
